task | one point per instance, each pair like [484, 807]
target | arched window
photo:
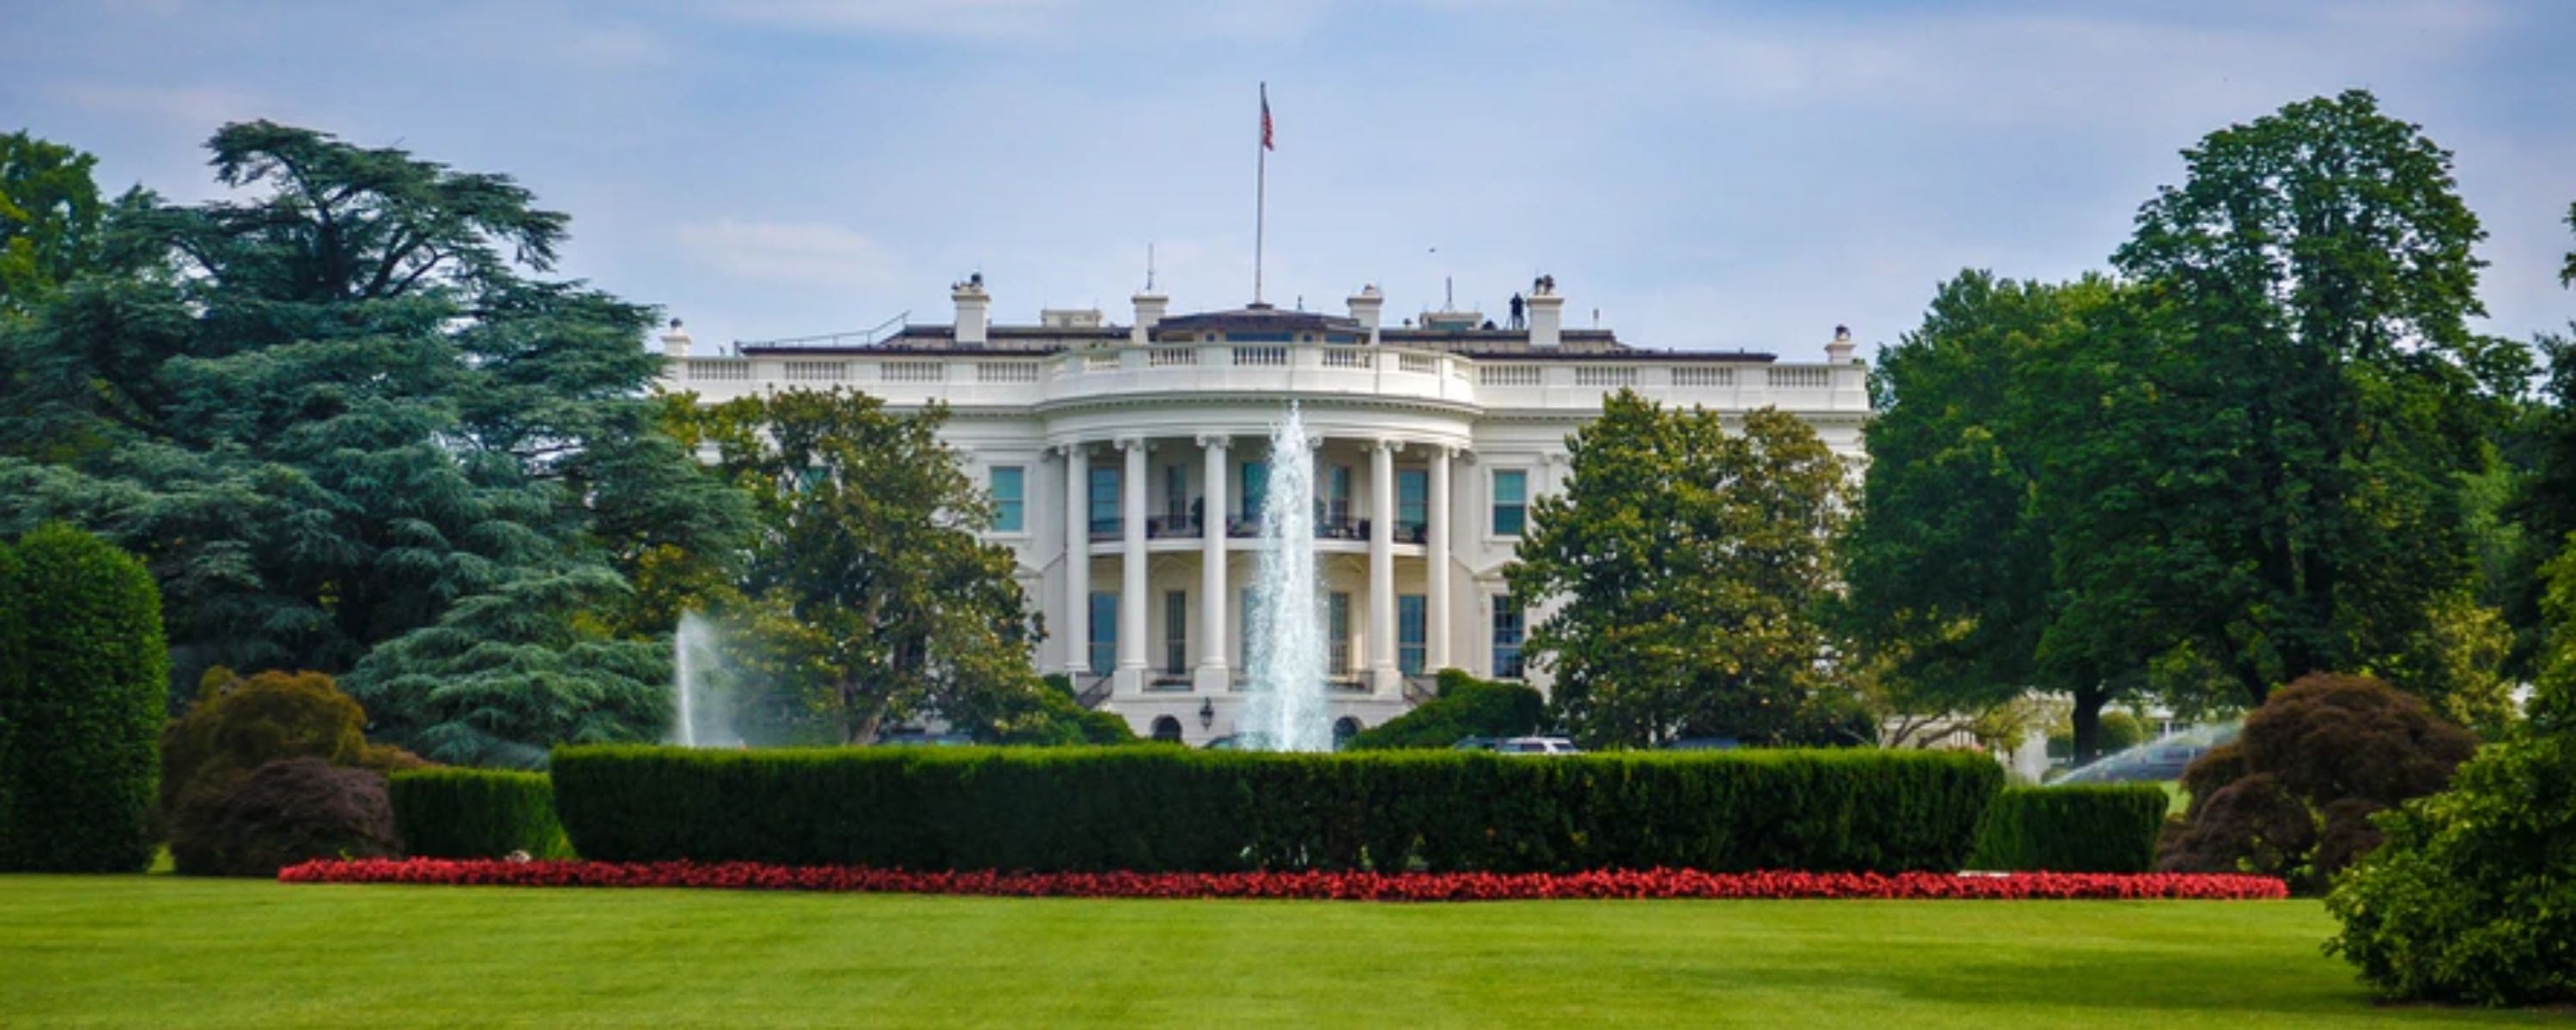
[1344, 729]
[1167, 729]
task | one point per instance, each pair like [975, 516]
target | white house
[1129, 465]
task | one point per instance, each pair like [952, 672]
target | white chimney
[1840, 351]
[1149, 311]
[675, 342]
[1546, 314]
[1367, 306]
[973, 306]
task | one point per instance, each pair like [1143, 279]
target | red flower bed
[1344, 886]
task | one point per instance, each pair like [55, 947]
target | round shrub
[1466, 707]
[2473, 898]
[298, 809]
[2293, 795]
[241, 724]
[79, 764]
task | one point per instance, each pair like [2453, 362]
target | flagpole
[1260, 192]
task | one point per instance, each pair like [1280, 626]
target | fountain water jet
[695, 659]
[1285, 652]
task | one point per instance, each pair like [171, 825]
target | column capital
[1218, 441]
[1130, 443]
[1388, 444]
[1557, 458]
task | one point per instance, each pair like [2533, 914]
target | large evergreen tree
[351, 430]
[1692, 565]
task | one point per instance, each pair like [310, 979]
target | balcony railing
[1534, 380]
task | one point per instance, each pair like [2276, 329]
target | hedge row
[2085, 828]
[1163, 809]
[477, 813]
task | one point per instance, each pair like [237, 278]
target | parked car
[1536, 746]
[1701, 744]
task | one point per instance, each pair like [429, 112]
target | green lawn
[164, 951]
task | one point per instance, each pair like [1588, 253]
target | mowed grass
[164, 951]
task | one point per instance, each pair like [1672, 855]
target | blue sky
[1706, 176]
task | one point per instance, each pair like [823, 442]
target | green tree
[1691, 564]
[50, 220]
[351, 432]
[869, 593]
[2542, 510]
[81, 762]
[2272, 480]
[1950, 562]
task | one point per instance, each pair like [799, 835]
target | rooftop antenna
[1448, 294]
[1149, 268]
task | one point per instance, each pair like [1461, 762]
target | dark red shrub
[2293, 796]
[299, 809]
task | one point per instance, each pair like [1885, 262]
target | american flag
[1266, 144]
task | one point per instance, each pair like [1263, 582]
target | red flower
[1302, 884]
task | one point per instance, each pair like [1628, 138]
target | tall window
[1010, 499]
[1507, 638]
[1256, 488]
[1105, 501]
[1337, 623]
[1511, 501]
[1412, 503]
[1409, 635]
[1104, 632]
[1176, 632]
[1176, 494]
[1337, 494]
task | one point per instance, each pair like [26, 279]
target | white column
[1381, 650]
[1213, 625]
[1435, 555]
[1077, 561]
[1131, 586]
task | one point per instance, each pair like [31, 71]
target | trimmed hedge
[1166, 809]
[2083, 828]
[81, 761]
[477, 813]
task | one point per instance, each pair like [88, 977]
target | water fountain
[1285, 653]
[701, 718]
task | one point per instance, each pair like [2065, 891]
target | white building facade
[1130, 463]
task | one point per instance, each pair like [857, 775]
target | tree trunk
[2087, 717]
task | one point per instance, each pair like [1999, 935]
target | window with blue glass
[1104, 503]
[1010, 498]
[1507, 638]
[1176, 493]
[1256, 488]
[1337, 494]
[1511, 501]
[1409, 635]
[1412, 504]
[1104, 632]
